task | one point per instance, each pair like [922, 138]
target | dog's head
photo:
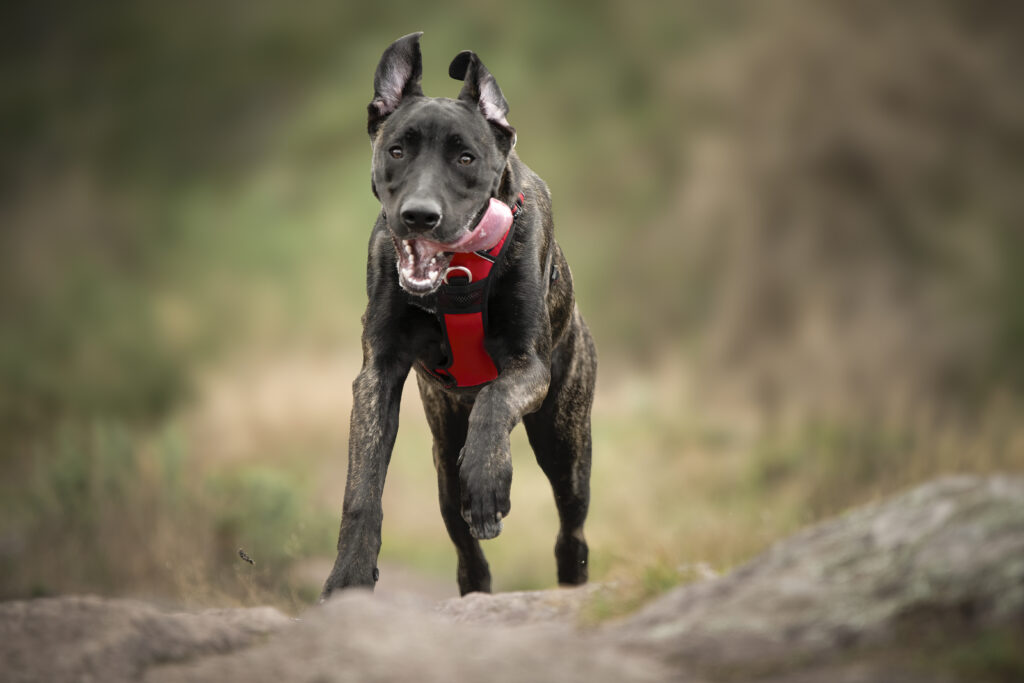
[437, 162]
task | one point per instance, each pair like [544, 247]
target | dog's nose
[421, 215]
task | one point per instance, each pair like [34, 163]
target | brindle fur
[536, 335]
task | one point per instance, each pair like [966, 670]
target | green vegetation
[114, 512]
[796, 238]
[993, 655]
[626, 595]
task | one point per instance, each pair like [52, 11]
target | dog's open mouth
[421, 264]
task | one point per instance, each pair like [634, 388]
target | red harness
[462, 312]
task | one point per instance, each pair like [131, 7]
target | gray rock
[356, 637]
[946, 556]
[557, 607]
[86, 639]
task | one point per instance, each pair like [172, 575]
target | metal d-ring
[464, 269]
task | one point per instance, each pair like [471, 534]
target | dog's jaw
[421, 264]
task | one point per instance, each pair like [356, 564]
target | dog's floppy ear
[399, 73]
[481, 89]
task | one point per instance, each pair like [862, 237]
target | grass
[112, 511]
[993, 655]
[637, 586]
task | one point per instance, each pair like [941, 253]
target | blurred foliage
[993, 655]
[172, 172]
[625, 595]
[805, 213]
[110, 511]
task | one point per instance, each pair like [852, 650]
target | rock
[870, 596]
[357, 637]
[86, 639]
[947, 556]
[559, 607]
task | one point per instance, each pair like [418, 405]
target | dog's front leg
[485, 469]
[376, 394]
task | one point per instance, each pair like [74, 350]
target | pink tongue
[495, 222]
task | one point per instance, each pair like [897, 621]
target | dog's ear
[399, 73]
[480, 88]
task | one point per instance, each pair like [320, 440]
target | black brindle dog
[467, 285]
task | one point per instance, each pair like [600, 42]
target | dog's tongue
[495, 222]
[487, 233]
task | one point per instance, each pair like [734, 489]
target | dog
[466, 286]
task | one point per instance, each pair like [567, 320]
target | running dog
[467, 287]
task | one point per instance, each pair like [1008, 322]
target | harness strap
[462, 314]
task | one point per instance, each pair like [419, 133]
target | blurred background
[796, 230]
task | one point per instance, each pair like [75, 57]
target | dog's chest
[427, 304]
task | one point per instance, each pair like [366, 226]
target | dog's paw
[485, 487]
[485, 529]
[345, 576]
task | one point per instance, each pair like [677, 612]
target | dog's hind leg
[449, 423]
[559, 434]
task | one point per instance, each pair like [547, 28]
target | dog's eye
[396, 152]
[465, 159]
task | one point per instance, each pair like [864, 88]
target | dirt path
[928, 586]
